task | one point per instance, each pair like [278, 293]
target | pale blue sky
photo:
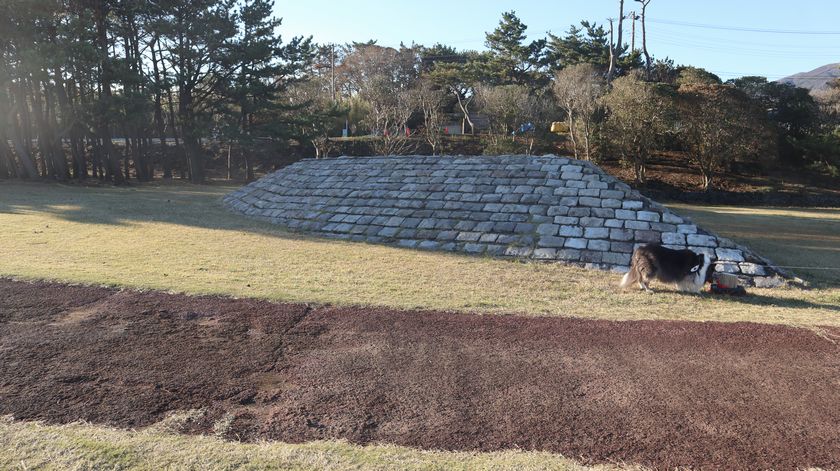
[463, 23]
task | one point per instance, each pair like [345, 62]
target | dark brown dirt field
[661, 394]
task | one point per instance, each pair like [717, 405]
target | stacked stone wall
[542, 208]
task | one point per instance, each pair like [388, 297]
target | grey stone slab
[473, 248]
[388, 232]
[591, 222]
[614, 223]
[545, 254]
[616, 258]
[701, 240]
[671, 218]
[687, 229]
[599, 245]
[638, 225]
[673, 238]
[518, 251]
[557, 210]
[570, 231]
[468, 236]
[551, 241]
[596, 232]
[566, 220]
[595, 193]
[547, 229]
[603, 212]
[588, 201]
[569, 255]
[579, 212]
[733, 255]
[649, 216]
[632, 204]
[576, 243]
[625, 214]
[621, 235]
[565, 191]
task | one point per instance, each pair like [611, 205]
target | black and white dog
[684, 268]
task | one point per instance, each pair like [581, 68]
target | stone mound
[535, 207]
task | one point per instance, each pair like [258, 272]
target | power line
[740, 28]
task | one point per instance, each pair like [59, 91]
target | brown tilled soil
[662, 394]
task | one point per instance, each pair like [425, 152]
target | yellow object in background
[559, 127]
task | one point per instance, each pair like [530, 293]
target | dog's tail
[629, 278]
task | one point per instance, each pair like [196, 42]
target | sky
[714, 34]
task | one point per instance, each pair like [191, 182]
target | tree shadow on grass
[762, 300]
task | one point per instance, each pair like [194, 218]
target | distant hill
[816, 79]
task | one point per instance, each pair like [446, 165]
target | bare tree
[578, 89]
[644, 34]
[430, 99]
[616, 46]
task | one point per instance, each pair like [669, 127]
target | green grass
[795, 237]
[33, 445]
[178, 237]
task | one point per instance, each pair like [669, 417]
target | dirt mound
[662, 394]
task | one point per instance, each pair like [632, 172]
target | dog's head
[704, 265]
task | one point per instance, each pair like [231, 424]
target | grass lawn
[177, 237]
[795, 237]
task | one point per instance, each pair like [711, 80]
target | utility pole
[332, 70]
[633, 16]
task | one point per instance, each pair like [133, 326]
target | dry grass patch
[796, 237]
[178, 237]
[33, 445]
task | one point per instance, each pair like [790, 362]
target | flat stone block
[468, 236]
[473, 248]
[622, 235]
[625, 214]
[551, 241]
[649, 216]
[588, 201]
[548, 229]
[673, 238]
[671, 218]
[632, 204]
[570, 231]
[600, 245]
[637, 225]
[616, 258]
[545, 254]
[596, 232]
[733, 255]
[579, 212]
[701, 240]
[591, 222]
[687, 229]
[614, 223]
[518, 251]
[647, 236]
[575, 243]
[571, 255]
[610, 203]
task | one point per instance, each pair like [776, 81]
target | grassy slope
[177, 237]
